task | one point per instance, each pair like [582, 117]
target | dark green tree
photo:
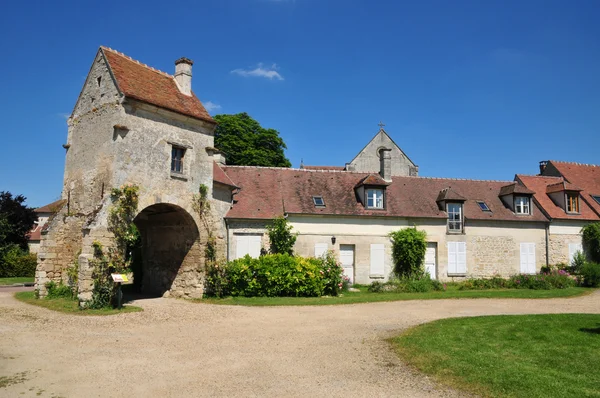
[16, 220]
[408, 251]
[246, 143]
[281, 236]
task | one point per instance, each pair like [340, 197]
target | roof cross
[381, 125]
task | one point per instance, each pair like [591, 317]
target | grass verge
[509, 356]
[12, 281]
[366, 297]
[70, 306]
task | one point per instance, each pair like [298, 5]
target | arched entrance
[170, 252]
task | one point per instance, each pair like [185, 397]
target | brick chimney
[385, 164]
[183, 75]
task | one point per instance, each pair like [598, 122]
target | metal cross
[381, 125]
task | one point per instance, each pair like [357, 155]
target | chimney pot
[183, 75]
[543, 165]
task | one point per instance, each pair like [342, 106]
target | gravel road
[177, 348]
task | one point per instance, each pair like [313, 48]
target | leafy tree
[246, 143]
[591, 241]
[281, 236]
[16, 220]
[408, 251]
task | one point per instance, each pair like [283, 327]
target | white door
[528, 258]
[430, 260]
[320, 249]
[347, 260]
[247, 244]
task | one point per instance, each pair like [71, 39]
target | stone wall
[558, 248]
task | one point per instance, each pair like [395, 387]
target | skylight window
[483, 206]
[318, 201]
[596, 198]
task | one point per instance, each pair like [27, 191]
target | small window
[375, 198]
[99, 80]
[483, 206]
[572, 203]
[596, 198]
[177, 154]
[318, 201]
[522, 205]
[455, 221]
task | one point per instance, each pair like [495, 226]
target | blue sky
[468, 89]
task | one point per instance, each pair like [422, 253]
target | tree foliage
[16, 220]
[408, 251]
[591, 241]
[281, 236]
[246, 143]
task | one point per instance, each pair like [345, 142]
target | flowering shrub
[276, 275]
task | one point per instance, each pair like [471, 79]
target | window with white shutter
[320, 249]
[573, 249]
[528, 258]
[247, 244]
[377, 259]
[457, 258]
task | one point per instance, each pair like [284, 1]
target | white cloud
[211, 106]
[260, 71]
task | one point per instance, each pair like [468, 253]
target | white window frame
[453, 222]
[528, 252]
[374, 198]
[522, 205]
[573, 249]
[568, 197]
[250, 249]
[377, 263]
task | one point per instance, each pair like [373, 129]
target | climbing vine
[201, 206]
[125, 236]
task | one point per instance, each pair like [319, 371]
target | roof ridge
[538, 176]
[575, 163]
[137, 62]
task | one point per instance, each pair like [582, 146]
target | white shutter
[461, 257]
[528, 258]
[241, 246]
[254, 245]
[320, 249]
[574, 248]
[452, 258]
[377, 259]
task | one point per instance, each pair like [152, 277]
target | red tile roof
[340, 168]
[143, 83]
[51, 207]
[539, 184]
[36, 232]
[515, 188]
[220, 176]
[373, 179]
[269, 192]
[449, 194]
[562, 186]
[585, 176]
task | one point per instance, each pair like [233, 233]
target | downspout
[227, 239]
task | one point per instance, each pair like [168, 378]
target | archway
[170, 251]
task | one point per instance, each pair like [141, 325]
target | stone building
[133, 124]
[44, 214]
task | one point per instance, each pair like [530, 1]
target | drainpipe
[547, 244]
[227, 239]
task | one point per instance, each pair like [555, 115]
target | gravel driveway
[177, 348]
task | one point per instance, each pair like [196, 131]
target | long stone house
[133, 124]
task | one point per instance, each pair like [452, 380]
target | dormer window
[522, 205]
[455, 217]
[572, 203]
[374, 198]
[318, 201]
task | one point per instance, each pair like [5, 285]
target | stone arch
[171, 253]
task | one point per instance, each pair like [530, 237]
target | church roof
[143, 83]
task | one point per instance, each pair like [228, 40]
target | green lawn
[69, 306]
[365, 297]
[510, 356]
[10, 281]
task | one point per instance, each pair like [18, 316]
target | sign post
[118, 279]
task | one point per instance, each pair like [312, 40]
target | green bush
[414, 284]
[591, 241]
[15, 262]
[281, 237]
[578, 262]
[276, 275]
[590, 275]
[556, 279]
[408, 252]
[58, 291]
